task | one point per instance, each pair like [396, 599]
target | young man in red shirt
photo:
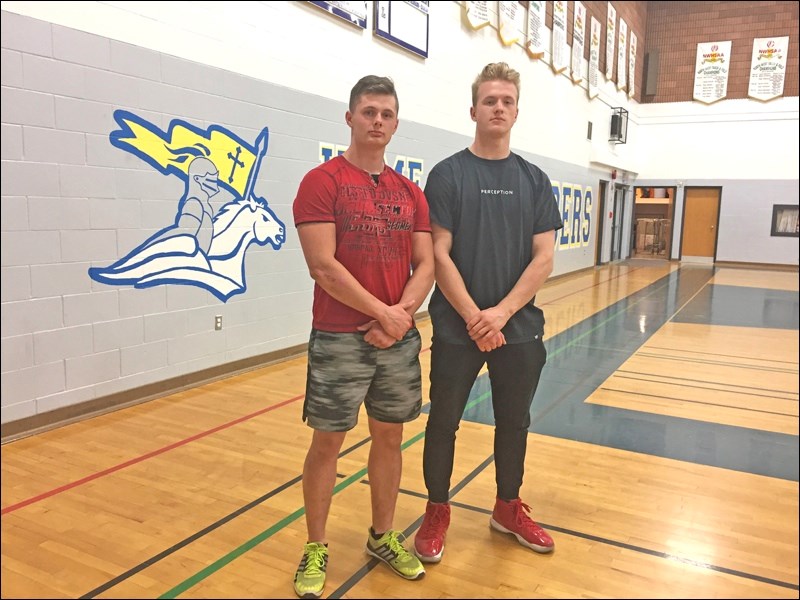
[366, 237]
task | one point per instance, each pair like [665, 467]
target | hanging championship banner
[632, 64]
[477, 14]
[768, 68]
[535, 43]
[510, 21]
[622, 56]
[559, 56]
[711, 71]
[611, 41]
[594, 58]
[578, 33]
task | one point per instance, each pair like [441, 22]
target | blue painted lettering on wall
[205, 245]
[586, 225]
[412, 168]
[576, 204]
[575, 201]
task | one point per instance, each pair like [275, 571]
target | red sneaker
[429, 541]
[512, 517]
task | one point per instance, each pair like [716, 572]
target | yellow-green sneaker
[309, 581]
[389, 548]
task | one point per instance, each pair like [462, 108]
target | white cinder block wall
[72, 201]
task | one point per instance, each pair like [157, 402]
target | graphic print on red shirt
[374, 228]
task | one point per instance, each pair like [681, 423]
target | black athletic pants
[514, 371]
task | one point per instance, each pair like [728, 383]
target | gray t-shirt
[493, 208]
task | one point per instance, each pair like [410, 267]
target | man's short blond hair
[498, 71]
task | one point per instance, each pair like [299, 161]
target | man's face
[496, 109]
[374, 119]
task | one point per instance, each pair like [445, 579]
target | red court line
[144, 457]
[202, 434]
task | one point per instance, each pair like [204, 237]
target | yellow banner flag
[173, 151]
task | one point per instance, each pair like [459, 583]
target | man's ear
[348, 118]
[472, 113]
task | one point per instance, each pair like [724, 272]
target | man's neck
[370, 161]
[492, 148]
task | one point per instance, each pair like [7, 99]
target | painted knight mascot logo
[204, 246]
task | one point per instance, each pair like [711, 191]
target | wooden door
[700, 221]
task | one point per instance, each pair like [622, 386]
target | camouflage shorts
[344, 371]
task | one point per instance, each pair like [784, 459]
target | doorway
[617, 220]
[700, 224]
[601, 212]
[652, 222]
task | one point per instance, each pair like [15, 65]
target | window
[784, 220]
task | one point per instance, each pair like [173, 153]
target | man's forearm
[527, 286]
[335, 279]
[417, 288]
[454, 289]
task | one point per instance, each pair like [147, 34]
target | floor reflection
[583, 356]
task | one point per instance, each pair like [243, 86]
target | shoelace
[437, 518]
[395, 544]
[521, 509]
[315, 560]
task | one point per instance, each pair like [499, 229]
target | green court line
[268, 533]
[611, 317]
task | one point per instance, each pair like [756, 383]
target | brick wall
[675, 28]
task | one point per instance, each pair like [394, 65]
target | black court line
[206, 530]
[356, 577]
[706, 361]
[738, 356]
[565, 346]
[701, 402]
[681, 381]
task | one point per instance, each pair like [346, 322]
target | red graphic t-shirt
[375, 223]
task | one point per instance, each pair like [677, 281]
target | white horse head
[236, 226]
[241, 222]
[267, 227]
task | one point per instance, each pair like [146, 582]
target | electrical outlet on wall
[218, 322]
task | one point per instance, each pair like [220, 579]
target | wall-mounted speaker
[616, 129]
[618, 132]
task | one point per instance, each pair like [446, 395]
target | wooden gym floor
[663, 459]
